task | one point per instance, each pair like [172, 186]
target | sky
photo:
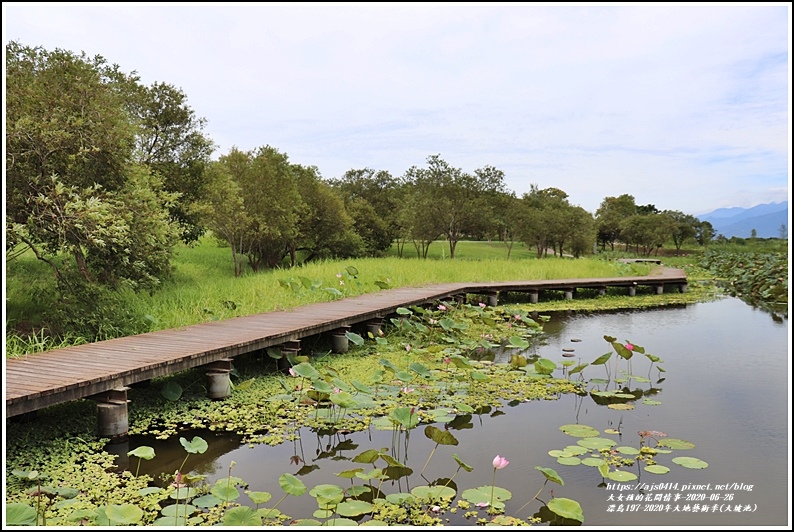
[684, 106]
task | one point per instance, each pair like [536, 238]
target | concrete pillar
[659, 289]
[339, 342]
[112, 419]
[633, 290]
[682, 287]
[569, 293]
[602, 290]
[288, 350]
[533, 296]
[219, 384]
[373, 326]
[493, 299]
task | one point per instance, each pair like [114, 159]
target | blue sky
[687, 107]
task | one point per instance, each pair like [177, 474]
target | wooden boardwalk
[53, 377]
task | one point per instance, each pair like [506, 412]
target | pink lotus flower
[406, 390]
[482, 304]
[407, 347]
[442, 307]
[338, 275]
[292, 372]
[447, 360]
[630, 347]
[500, 462]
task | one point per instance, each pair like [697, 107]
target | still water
[726, 389]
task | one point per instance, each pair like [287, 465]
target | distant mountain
[766, 219]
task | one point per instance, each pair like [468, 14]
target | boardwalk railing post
[112, 419]
[339, 342]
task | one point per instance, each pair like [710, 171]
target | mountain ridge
[765, 218]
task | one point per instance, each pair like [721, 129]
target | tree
[704, 233]
[460, 202]
[372, 198]
[170, 140]
[223, 211]
[610, 214]
[783, 231]
[75, 196]
[645, 231]
[684, 227]
[325, 227]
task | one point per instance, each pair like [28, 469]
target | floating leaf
[225, 491]
[183, 493]
[596, 443]
[657, 469]
[551, 474]
[178, 509]
[579, 431]
[305, 522]
[627, 450]
[593, 462]
[621, 476]
[651, 402]
[566, 508]
[170, 521]
[690, 463]
[569, 460]
[556, 453]
[620, 406]
[149, 490]
[341, 521]
[353, 508]
[575, 450]
[207, 501]
[674, 443]
[611, 431]
[517, 342]
[123, 514]
[241, 516]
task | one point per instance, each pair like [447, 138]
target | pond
[725, 388]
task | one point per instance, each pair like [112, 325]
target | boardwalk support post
[493, 298]
[112, 419]
[289, 350]
[219, 384]
[602, 290]
[569, 293]
[533, 296]
[682, 287]
[373, 326]
[633, 289]
[339, 341]
[659, 289]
